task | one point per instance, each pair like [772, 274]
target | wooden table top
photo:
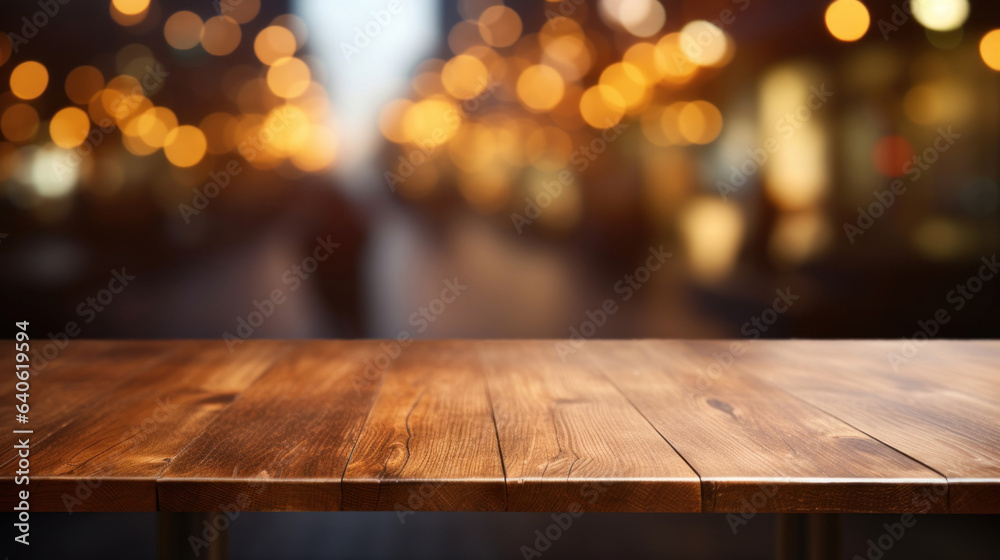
[633, 426]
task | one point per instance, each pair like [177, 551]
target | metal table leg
[813, 536]
[190, 536]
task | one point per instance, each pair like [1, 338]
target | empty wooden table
[621, 426]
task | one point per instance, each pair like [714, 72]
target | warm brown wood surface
[936, 412]
[570, 439]
[782, 426]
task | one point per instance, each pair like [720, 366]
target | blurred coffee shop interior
[523, 158]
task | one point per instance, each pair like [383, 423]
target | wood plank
[571, 442]
[954, 433]
[285, 442]
[109, 453]
[755, 447]
[429, 442]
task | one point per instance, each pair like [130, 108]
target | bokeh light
[704, 43]
[499, 26]
[847, 20]
[989, 49]
[29, 79]
[274, 43]
[69, 127]
[130, 7]
[19, 122]
[940, 15]
[220, 35]
[184, 146]
[183, 30]
[464, 76]
[540, 87]
[82, 83]
[602, 106]
[288, 77]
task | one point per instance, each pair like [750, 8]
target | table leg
[189, 536]
[813, 536]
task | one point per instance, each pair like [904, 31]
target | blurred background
[490, 169]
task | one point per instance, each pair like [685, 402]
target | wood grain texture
[109, 453]
[60, 394]
[429, 443]
[933, 417]
[571, 441]
[789, 426]
[755, 447]
[285, 442]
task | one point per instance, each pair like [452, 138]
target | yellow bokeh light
[699, 122]
[540, 87]
[989, 49]
[220, 35]
[274, 43]
[713, 233]
[940, 15]
[184, 146]
[130, 7]
[648, 59]
[183, 30]
[677, 68]
[82, 83]
[431, 122]
[319, 151]
[296, 25]
[288, 77]
[242, 11]
[847, 20]
[69, 127]
[703, 43]
[464, 76]
[289, 125]
[630, 83]
[19, 122]
[642, 18]
[499, 26]
[29, 79]
[602, 106]
[155, 124]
